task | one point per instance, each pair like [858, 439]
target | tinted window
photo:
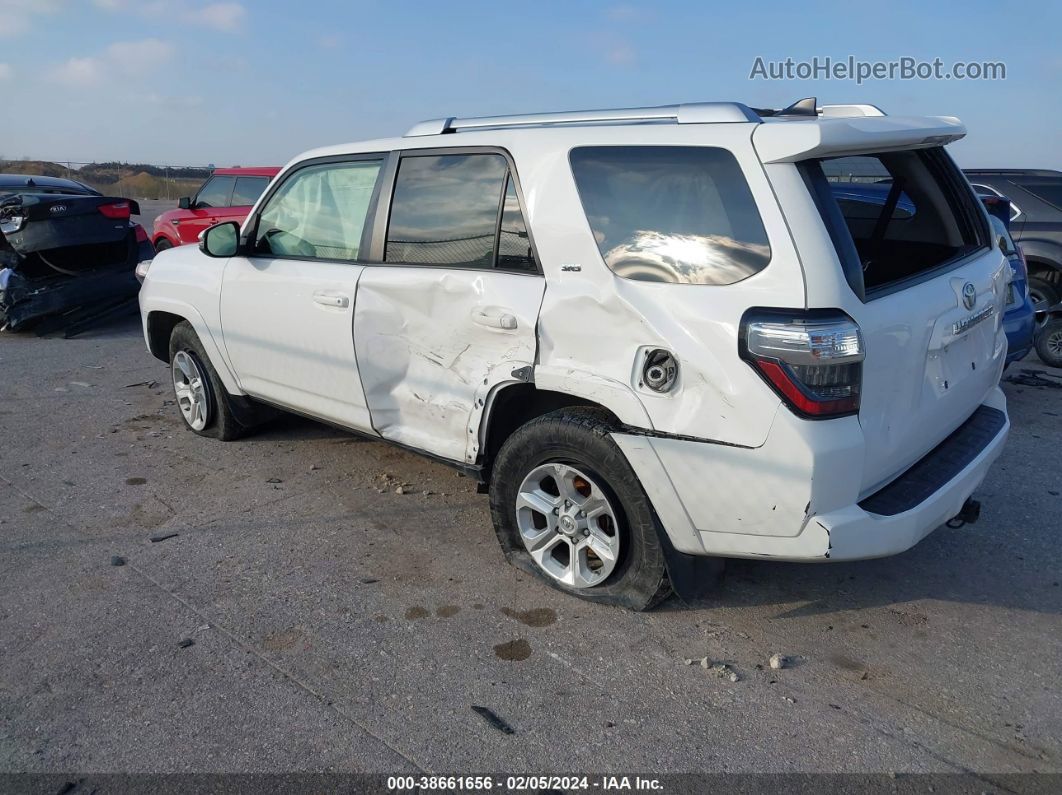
[671, 214]
[247, 190]
[216, 192]
[1050, 192]
[920, 216]
[445, 210]
[514, 245]
[319, 212]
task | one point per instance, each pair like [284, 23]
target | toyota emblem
[969, 295]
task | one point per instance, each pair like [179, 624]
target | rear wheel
[1049, 342]
[568, 508]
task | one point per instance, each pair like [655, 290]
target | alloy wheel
[568, 525]
[191, 389]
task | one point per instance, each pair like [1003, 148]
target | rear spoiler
[796, 139]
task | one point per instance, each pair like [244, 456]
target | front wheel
[1049, 342]
[568, 508]
[205, 406]
[162, 244]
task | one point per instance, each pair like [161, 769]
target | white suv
[654, 333]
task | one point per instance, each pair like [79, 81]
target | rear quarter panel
[593, 323]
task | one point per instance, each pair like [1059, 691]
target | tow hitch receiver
[970, 513]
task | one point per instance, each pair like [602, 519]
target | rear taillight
[141, 235]
[115, 209]
[813, 359]
[1024, 273]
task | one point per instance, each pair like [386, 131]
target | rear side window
[514, 245]
[675, 214]
[319, 212]
[216, 192]
[247, 190]
[895, 215]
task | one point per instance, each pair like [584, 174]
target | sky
[256, 82]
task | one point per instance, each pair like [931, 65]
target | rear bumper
[761, 503]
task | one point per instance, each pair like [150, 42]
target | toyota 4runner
[657, 336]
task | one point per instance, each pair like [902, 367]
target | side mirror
[222, 240]
[184, 203]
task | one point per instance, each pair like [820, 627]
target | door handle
[331, 299]
[502, 320]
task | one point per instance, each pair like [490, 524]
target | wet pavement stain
[417, 612]
[848, 663]
[535, 617]
[34, 508]
[135, 481]
[514, 650]
[446, 611]
[281, 641]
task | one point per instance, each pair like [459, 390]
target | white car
[658, 336]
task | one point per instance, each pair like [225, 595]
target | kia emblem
[969, 295]
[57, 208]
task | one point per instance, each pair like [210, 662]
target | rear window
[247, 190]
[679, 214]
[1050, 192]
[896, 215]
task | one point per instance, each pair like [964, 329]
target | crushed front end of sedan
[67, 254]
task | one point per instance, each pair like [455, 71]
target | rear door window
[247, 190]
[445, 210]
[903, 214]
[679, 214]
[216, 192]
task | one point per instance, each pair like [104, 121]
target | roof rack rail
[809, 107]
[689, 113]
[831, 111]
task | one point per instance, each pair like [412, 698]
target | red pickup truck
[227, 195]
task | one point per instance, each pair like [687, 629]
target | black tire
[1042, 290]
[1049, 342]
[162, 244]
[579, 436]
[222, 423]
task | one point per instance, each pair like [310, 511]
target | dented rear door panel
[431, 344]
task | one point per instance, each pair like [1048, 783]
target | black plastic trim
[938, 466]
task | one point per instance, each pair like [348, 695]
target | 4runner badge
[969, 295]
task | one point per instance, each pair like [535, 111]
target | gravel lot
[340, 626]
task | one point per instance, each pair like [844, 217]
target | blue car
[862, 200]
[1019, 319]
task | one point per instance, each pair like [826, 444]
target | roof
[46, 183]
[248, 171]
[802, 130]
